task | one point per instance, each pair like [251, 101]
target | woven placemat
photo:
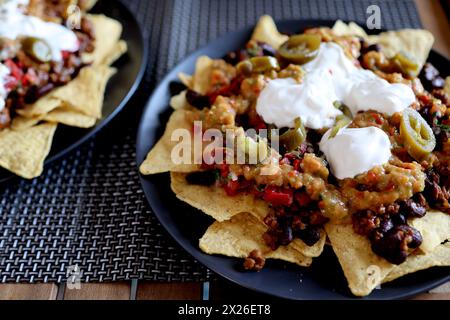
[88, 209]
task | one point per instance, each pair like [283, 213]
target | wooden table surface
[433, 18]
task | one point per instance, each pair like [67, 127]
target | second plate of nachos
[321, 146]
[66, 69]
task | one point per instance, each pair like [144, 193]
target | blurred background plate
[120, 88]
[324, 279]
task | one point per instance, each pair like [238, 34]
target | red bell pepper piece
[278, 197]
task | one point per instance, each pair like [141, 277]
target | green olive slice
[293, 138]
[301, 48]
[418, 137]
[37, 49]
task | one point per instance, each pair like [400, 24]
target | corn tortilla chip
[417, 43]
[119, 49]
[43, 106]
[179, 101]
[159, 158]
[438, 258]
[70, 118]
[240, 235]
[201, 78]
[185, 79]
[434, 228]
[23, 152]
[447, 86]
[107, 35]
[266, 31]
[363, 269]
[340, 28]
[216, 203]
[21, 123]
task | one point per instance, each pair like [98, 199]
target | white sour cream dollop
[14, 23]
[4, 75]
[355, 150]
[330, 77]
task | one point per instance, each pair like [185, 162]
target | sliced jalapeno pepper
[341, 122]
[418, 137]
[406, 64]
[345, 110]
[300, 48]
[293, 138]
[37, 49]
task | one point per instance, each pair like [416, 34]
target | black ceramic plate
[120, 88]
[324, 279]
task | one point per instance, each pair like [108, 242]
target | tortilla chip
[107, 35]
[179, 101]
[70, 118]
[340, 28]
[417, 43]
[242, 234]
[159, 158]
[214, 201]
[440, 257]
[42, 106]
[201, 78]
[119, 49]
[363, 269]
[21, 123]
[447, 86]
[23, 152]
[266, 31]
[185, 79]
[434, 228]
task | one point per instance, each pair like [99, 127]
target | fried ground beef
[255, 261]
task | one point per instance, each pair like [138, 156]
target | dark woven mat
[88, 209]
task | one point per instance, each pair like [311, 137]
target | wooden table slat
[25, 291]
[99, 291]
[169, 291]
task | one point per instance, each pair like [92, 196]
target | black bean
[197, 100]
[398, 218]
[309, 235]
[386, 225]
[286, 236]
[203, 178]
[394, 244]
[410, 208]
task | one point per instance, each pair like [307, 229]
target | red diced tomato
[16, 71]
[232, 187]
[224, 170]
[278, 197]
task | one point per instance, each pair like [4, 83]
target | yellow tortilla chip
[447, 86]
[70, 118]
[434, 228]
[266, 31]
[363, 269]
[201, 78]
[185, 79]
[179, 101]
[23, 152]
[21, 123]
[242, 234]
[159, 158]
[214, 201]
[119, 49]
[417, 43]
[107, 35]
[440, 257]
[340, 28]
[43, 106]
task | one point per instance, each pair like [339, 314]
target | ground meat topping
[255, 261]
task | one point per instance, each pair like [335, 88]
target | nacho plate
[120, 88]
[323, 279]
